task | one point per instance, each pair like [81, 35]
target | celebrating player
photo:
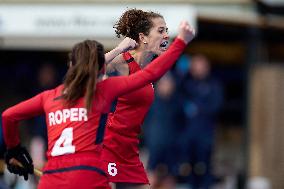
[73, 112]
[120, 149]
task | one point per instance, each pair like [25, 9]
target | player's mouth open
[164, 45]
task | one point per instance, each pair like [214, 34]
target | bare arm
[123, 46]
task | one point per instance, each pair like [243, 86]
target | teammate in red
[120, 149]
[73, 112]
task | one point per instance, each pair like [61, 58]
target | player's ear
[142, 38]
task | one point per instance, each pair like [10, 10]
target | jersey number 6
[111, 168]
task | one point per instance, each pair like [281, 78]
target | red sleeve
[117, 86]
[11, 117]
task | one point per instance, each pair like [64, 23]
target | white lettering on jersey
[51, 119]
[74, 114]
[66, 114]
[83, 114]
[58, 117]
[62, 116]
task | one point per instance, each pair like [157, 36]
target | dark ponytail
[86, 59]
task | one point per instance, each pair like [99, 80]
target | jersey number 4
[63, 144]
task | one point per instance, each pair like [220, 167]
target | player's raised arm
[125, 45]
[120, 85]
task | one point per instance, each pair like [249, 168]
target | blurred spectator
[202, 98]
[47, 78]
[34, 133]
[160, 134]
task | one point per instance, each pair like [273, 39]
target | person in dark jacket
[202, 99]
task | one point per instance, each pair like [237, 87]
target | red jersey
[71, 130]
[123, 127]
[131, 108]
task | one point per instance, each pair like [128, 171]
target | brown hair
[135, 21]
[86, 59]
